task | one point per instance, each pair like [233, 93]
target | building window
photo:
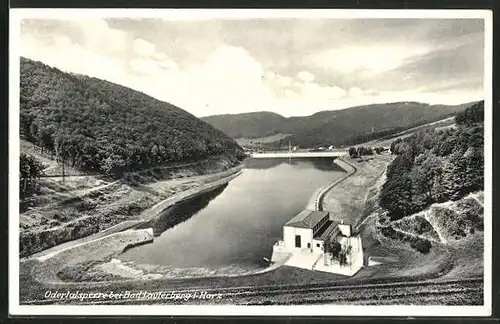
[317, 244]
[297, 241]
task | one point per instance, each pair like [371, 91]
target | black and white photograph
[250, 162]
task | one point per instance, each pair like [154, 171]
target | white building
[305, 240]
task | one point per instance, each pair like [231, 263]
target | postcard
[250, 162]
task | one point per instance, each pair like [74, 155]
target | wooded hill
[103, 127]
[436, 166]
[338, 127]
[248, 125]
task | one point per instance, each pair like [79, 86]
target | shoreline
[153, 212]
[146, 216]
[316, 201]
[37, 278]
[133, 282]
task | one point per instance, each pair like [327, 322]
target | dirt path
[84, 192]
[388, 141]
[476, 198]
[420, 236]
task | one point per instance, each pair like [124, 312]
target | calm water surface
[231, 229]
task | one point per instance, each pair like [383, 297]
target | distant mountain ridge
[335, 127]
[255, 124]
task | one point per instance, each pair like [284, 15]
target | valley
[337, 128]
[126, 192]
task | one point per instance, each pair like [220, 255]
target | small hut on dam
[313, 240]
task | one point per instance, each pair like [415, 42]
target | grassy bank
[346, 200]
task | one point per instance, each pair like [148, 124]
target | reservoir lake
[229, 231]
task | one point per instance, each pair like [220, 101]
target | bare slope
[65, 209]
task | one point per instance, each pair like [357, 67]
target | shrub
[419, 244]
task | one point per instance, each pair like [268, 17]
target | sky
[293, 67]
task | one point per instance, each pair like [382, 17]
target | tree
[113, 165]
[334, 248]
[30, 169]
[396, 192]
[393, 145]
[343, 255]
[353, 153]
[425, 174]
[61, 152]
[405, 149]
[471, 115]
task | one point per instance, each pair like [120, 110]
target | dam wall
[318, 198]
[269, 155]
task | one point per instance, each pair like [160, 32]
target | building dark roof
[329, 230]
[307, 219]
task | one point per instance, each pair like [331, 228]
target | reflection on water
[182, 211]
[320, 163]
[235, 226]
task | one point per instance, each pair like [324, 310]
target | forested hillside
[434, 188]
[249, 125]
[436, 166]
[339, 127]
[103, 127]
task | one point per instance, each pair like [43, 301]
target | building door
[297, 241]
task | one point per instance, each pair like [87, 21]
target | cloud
[143, 48]
[160, 56]
[144, 66]
[230, 77]
[243, 66]
[355, 92]
[365, 59]
[66, 55]
[306, 76]
[168, 64]
[318, 92]
[150, 61]
[97, 36]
